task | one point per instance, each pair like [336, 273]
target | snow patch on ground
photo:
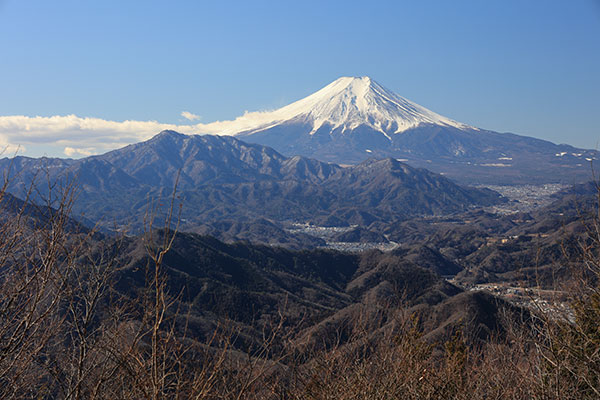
[496, 165]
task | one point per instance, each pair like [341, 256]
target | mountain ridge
[355, 118]
[225, 178]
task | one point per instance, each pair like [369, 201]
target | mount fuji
[356, 118]
[343, 106]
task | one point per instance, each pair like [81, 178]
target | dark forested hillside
[172, 312]
[220, 178]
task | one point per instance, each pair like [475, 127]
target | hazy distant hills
[353, 119]
[223, 178]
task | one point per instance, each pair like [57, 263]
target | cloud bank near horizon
[78, 136]
[84, 136]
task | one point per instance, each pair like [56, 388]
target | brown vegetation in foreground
[65, 333]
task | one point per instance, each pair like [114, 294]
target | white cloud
[189, 116]
[79, 134]
[9, 149]
[72, 152]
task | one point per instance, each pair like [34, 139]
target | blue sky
[528, 67]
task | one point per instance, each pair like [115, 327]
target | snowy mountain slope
[343, 105]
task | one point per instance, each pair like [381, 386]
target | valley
[477, 237]
[299, 200]
[240, 256]
[524, 198]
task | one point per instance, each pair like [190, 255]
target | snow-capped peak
[346, 103]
